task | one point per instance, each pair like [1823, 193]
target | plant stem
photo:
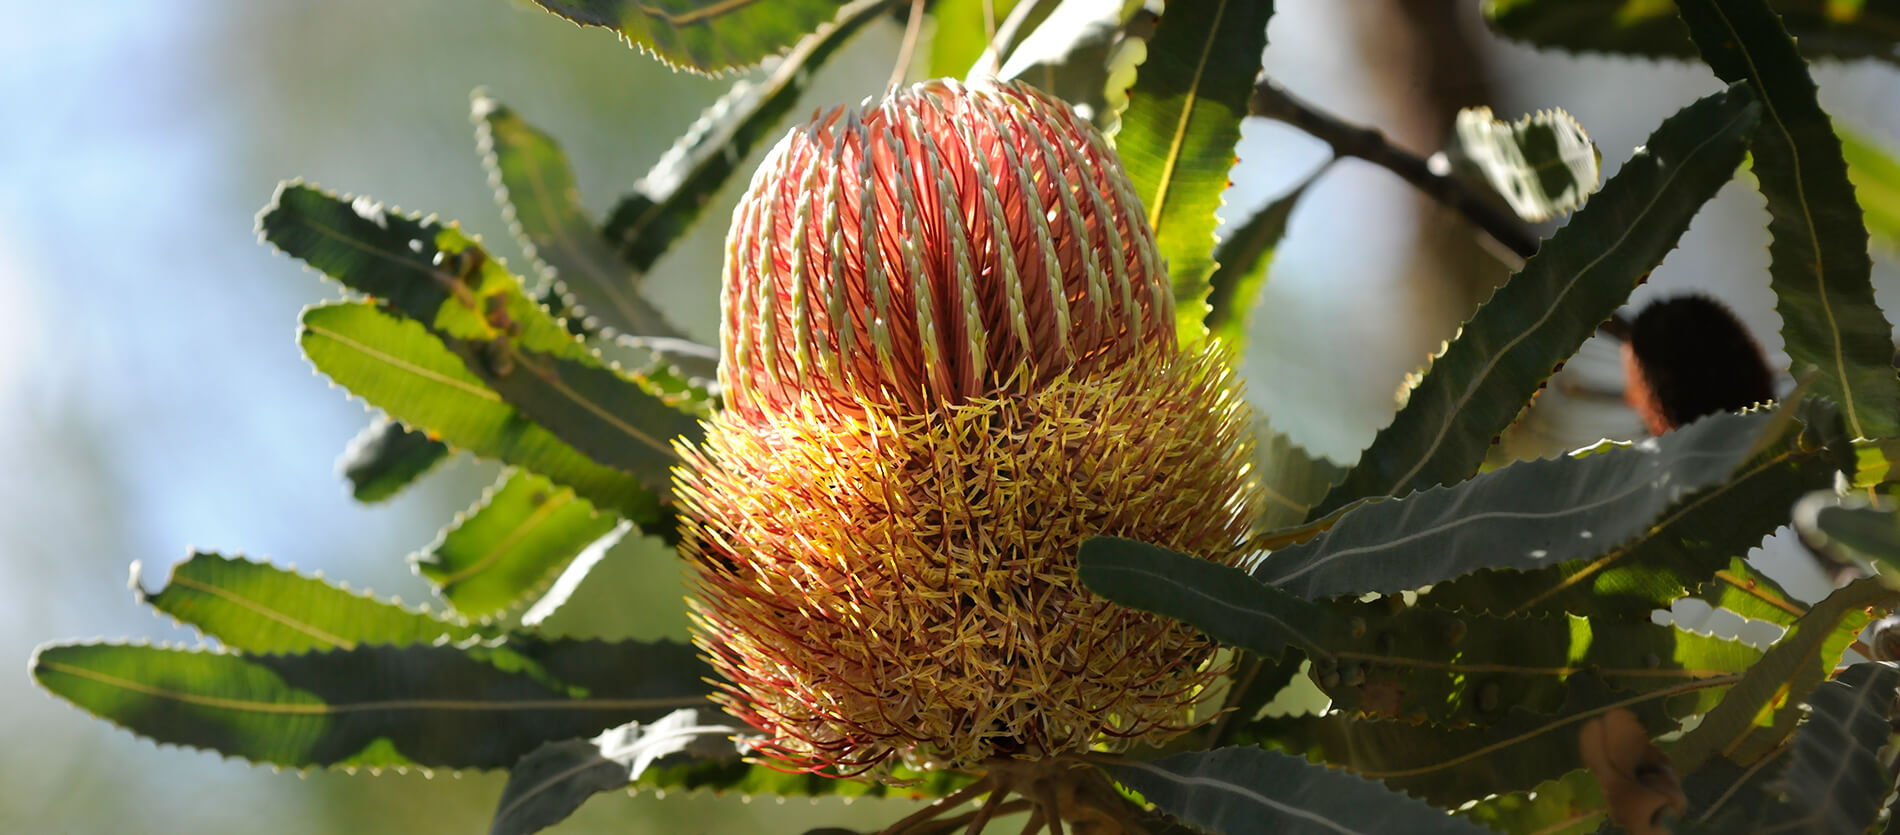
[1349, 140]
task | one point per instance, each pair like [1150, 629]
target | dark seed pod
[1688, 357]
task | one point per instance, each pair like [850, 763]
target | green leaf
[1835, 779]
[1456, 669]
[1543, 164]
[1741, 589]
[1177, 135]
[1576, 281]
[1761, 709]
[536, 189]
[1223, 602]
[603, 414]
[706, 36]
[1240, 272]
[404, 369]
[1568, 805]
[1293, 479]
[1876, 178]
[551, 782]
[666, 202]
[1527, 515]
[1827, 28]
[257, 607]
[961, 34]
[1448, 766]
[386, 457]
[1084, 52]
[509, 546]
[1240, 791]
[1679, 551]
[476, 706]
[1818, 265]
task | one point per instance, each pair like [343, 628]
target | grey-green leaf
[551, 782]
[1831, 326]
[1836, 780]
[1576, 281]
[386, 457]
[1526, 515]
[1253, 791]
[708, 36]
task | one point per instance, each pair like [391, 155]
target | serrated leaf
[1680, 551]
[1568, 805]
[1741, 589]
[551, 782]
[1726, 798]
[257, 607]
[386, 457]
[1761, 709]
[1858, 29]
[1240, 271]
[1526, 515]
[480, 706]
[706, 36]
[1543, 164]
[1576, 281]
[1239, 791]
[1219, 600]
[1875, 174]
[1448, 766]
[1293, 479]
[1836, 780]
[1177, 136]
[511, 544]
[598, 411]
[1832, 328]
[535, 186]
[666, 202]
[404, 369]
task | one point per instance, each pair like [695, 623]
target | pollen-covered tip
[950, 241]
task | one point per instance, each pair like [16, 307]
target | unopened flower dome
[948, 356]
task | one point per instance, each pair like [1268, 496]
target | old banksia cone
[949, 358]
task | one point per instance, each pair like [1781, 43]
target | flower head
[949, 242]
[949, 359]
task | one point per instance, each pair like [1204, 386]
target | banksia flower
[948, 356]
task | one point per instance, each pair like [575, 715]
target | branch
[1348, 140]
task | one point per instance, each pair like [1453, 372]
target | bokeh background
[152, 397]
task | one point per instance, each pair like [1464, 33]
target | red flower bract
[1005, 247]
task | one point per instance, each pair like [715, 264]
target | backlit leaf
[386, 457]
[708, 36]
[510, 545]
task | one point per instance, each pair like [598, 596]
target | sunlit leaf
[478, 706]
[1483, 378]
[960, 37]
[386, 457]
[1831, 326]
[1240, 271]
[1567, 805]
[258, 607]
[1741, 589]
[1829, 28]
[1243, 791]
[510, 545]
[401, 367]
[1875, 174]
[708, 36]
[1084, 52]
[1760, 711]
[1543, 164]
[1177, 135]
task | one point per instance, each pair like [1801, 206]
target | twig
[1272, 101]
[939, 806]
